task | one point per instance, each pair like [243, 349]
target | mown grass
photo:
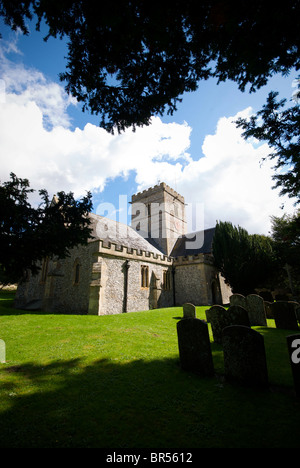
[115, 382]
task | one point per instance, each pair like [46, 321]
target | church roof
[194, 243]
[118, 233]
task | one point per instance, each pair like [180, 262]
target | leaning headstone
[244, 356]
[238, 299]
[189, 310]
[256, 310]
[194, 347]
[284, 315]
[219, 318]
[293, 342]
[217, 308]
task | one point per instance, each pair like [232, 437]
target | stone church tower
[158, 215]
[152, 264]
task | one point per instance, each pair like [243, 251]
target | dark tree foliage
[280, 128]
[286, 236]
[129, 60]
[245, 261]
[27, 234]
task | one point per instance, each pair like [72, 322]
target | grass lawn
[115, 382]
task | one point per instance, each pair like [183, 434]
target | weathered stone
[256, 310]
[244, 356]
[238, 299]
[238, 315]
[293, 343]
[284, 315]
[220, 318]
[120, 270]
[214, 308]
[189, 310]
[194, 346]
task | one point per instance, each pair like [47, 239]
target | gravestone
[293, 342]
[238, 299]
[220, 318]
[256, 310]
[284, 315]
[2, 351]
[194, 347]
[244, 356]
[238, 315]
[213, 308]
[189, 310]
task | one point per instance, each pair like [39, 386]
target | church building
[151, 264]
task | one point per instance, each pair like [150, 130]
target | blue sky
[45, 137]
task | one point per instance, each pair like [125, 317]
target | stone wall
[105, 278]
[166, 209]
[69, 295]
[58, 291]
[155, 296]
[30, 292]
[116, 285]
[197, 281]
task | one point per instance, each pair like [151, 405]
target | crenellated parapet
[193, 259]
[158, 187]
[113, 249]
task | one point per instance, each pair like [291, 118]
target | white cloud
[232, 180]
[30, 85]
[38, 143]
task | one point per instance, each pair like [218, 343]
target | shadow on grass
[7, 307]
[99, 404]
[139, 404]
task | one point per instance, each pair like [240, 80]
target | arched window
[76, 271]
[166, 280]
[144, 276]
[45, 266]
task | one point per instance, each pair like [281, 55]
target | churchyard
[121, 381]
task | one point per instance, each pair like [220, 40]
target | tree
[245, 261]
[27, 234]
[129, 60]
[286, 237]
[280, 128]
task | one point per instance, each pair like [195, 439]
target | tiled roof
[112, 231]
[194, 243]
